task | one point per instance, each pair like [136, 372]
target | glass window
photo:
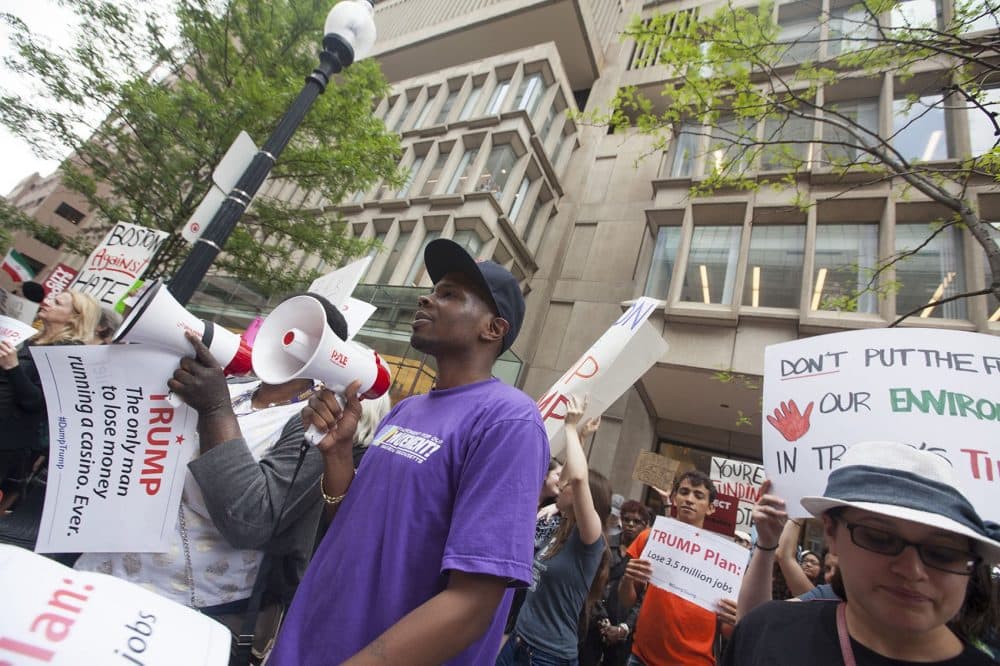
[397, 250]
[864, 112]
[547, 125]
[914, 13]
[774, 266]
[799, 40]
[849, 27]
[991, 303]
[404, 102]
[934, 272]
[981, 129]
[846, 255]
[530, 93]
[685, 145]
[662, 267]
[379, 247]
[711, 268]
[417, 269]
[727, 148]
[497, 170]
[418, 162]
[518, 202]
[471, 101]
[977, 15]
[788, 140]
[426, 110]
[536, 216]
[461, 176]
[432, 178]
[449, 102]
[919, 130]
[498, 96]
[470, 240]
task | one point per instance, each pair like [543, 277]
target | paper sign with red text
[934, 390]
[610, 367]
[15, 331]
[54, 615]
[741, 479]
[59, 279]
[120, 259]
[118, 448]
[695, 564]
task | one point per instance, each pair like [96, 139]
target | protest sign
[119, 450]
[610, 367]
[694, 563]
[118, 261]
[337, 286]
[654, 470]
[742, 480]
[59, 279]
[52, 614]
[723, 519]
[17, 307]
[15, 331]
[933, 390]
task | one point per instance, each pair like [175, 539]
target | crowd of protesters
[440, 530]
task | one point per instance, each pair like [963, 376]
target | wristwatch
[624, 627]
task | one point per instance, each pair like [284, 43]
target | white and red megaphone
[158, 319]
[295, 342]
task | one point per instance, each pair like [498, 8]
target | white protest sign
[54, 615]
[15, 331]
[120, 259]
[337, 286]
[605, 371]
[933, 390]
[693, 563]
[17, 307]
[224, 178]
[356, 313]
[118, 449]
[741, 480]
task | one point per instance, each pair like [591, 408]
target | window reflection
[845, 260]
[920, 129]
[774, 266]
[711, 268]
[936, 271]
[668, 239]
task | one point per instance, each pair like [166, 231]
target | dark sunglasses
[942, 558]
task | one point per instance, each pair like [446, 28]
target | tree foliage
[759, 98]
[147, 104]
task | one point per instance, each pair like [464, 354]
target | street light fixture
[349, 37]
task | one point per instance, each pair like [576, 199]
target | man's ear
[711, 509]
[496, 329]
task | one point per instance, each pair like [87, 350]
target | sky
[46, 18]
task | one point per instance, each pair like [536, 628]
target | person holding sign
[913, 557]
[670, 630]
[569, 574]
[438, 521]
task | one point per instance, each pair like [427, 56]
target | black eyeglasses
[943, 558]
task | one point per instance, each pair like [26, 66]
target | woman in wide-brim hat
[914, 566]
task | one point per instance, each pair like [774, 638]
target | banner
[54, 615]
[118, 449]
[605, 371]
[723, 519]
[934, 390]
[15, 331]
[742, 480]
[59, 279]
[17, 307]
[120, 259]
[693, 563]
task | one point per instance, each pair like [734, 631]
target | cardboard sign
[933, 390]
[15, 331]
[17, 307]
[59, 279]
[605, 371]
[120, 259]
[655, 470]
[54, 615]
[742, 480]
[118, 449]
[693, 563]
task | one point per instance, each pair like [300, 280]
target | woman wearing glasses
[914, 575]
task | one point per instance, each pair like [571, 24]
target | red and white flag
[18, 267]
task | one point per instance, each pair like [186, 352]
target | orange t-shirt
[671, 631]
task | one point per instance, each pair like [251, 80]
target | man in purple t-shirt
[438, 522]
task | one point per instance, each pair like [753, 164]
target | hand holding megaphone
[200, 381]
[328, 413]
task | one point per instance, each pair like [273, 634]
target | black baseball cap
[443, 256]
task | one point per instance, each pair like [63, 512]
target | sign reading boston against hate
[119, 449]
[937, 391]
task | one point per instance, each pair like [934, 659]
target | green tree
[147, 103]
[754, 92]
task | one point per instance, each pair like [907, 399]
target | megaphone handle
[174, 401]
[313, 434]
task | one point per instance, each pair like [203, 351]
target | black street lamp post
[350, 35]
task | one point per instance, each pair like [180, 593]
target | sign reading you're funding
[936, 391]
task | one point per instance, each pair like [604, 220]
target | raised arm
[576, 475]
[769, 516]
[795, 577]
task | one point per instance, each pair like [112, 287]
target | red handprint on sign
[789, 422]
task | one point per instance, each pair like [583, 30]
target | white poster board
[933, 390]
[15, 331]
[610, 367]
[695, 564]
[120, 259]
[54, 615]
[118, 449]
[739, 479]
[337, 286]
